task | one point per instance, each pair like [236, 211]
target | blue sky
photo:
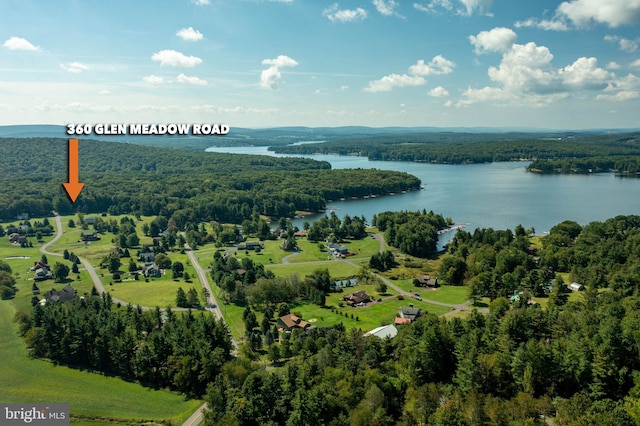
[265, 63]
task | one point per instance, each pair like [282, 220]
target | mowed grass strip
[336, 269]
[25, 380]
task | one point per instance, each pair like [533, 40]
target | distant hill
[239, 136]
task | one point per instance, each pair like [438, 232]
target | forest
[132, 179]
[576, 360]
[462, 148]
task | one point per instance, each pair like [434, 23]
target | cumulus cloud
[499, 39]
[415, 76]
[391, 81]
[385, 7]
[439, 92]
[270, 77]
[635, 64]
[622, 89]
[584, 73]
[191, 80]
[19, 43]
[200, 2]
[459, 7]
[526, 76]
[175, 59]
[625, 44]
[582, 13]
[189, 34]
[335, 14]
[613, 13]
[74, 67]
[438, 65]
[153, 79]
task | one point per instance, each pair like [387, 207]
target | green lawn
[89, 395]
[451, 294]
[336, 269]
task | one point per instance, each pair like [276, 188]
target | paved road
[197, 417]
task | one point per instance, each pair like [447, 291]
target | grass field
[25, 379]
[336, 269]
[451, 294]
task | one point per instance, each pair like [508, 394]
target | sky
[571, 64]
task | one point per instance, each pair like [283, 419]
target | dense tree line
[130, 179]
[624, 165]
[461, 148]
[414, 233]
[157, 348]
[577, 365]
[335, 229]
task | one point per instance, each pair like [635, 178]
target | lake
[497, 195]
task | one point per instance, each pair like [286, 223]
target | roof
[358, 296]
[402, 320]
[410, 312]
[67, 293]
[384, 331]
[291, 321]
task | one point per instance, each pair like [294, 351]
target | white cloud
[613, 13]
[385, 7]
[200, 2]
[175, 59]
[344, 88]
[626, 88]
[415, 76]
[391, 81]
[543, 24]
[499, 39]
[526, 76]
[191, 80]
[74, 67]
[153, 79]
[19, 43]
[270, 77]
[613, 66]
[635, 64]
[480, 6]
[438, 65]
[335, 14]
[584, 73]
[104, 92]
[438, 92]
[189, 34]
[459, 7]
[623, 43]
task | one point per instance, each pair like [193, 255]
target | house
[338, 250]
[574, 286]
[147, 257]
[425, 281]
[401, 321]
[16, 238]
[383, 332]
[291, 322]
[90, 236]
[251, 245]
[359, 298]
[410, 313]
[340, 284]
[152, 271]
[66, 294]
[42, 274]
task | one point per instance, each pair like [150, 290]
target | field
[89, 395]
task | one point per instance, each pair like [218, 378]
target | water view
[498, 195]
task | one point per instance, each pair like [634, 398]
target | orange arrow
[73, 187]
